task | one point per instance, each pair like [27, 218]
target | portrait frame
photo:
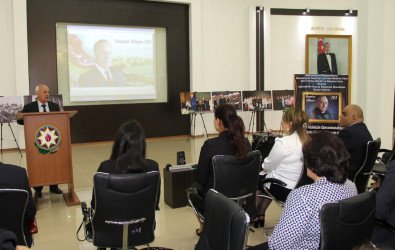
[333, 97]
[341, 46]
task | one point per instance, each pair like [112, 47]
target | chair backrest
[347, 223]
[225, 225]
[121, 198]
[12, 211]
[238, 179]
[362, 176]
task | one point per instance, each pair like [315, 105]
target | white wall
[14, 77]
[375, 90]
[223, 54]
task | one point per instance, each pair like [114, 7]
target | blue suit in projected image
[102, 74]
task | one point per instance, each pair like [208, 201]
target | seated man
[15, 177]
[385, 209]
[42, 104]
[355, 137]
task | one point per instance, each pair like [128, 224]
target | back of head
[325, 154]
[129, 148]
[235, 125]
[299, 120]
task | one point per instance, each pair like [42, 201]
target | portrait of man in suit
[103, 73]
[328, 54]
[326, 62]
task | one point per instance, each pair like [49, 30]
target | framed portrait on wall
[328, 54]
[323, 107]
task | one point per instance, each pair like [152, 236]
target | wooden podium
[48, 150]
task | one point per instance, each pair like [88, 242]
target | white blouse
[285, 160]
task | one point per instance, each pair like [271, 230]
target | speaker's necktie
[109, 79]
[44, 107]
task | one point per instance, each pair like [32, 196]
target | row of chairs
[110, 221]
[236, 179]
[344, 224]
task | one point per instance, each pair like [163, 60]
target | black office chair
[236, 179]
[347, 223]
[303, 180]
[380, 167]
[362, 176]
[226, 224]
[12, 211]
[125, 209]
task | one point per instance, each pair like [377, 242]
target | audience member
[285, 161]
[8, 241]
[42, 105]
[15, 177]
[231, 141]
[385, 209]
[355, 137]
[326, 160]
[128, 154]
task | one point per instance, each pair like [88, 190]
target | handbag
[33, 229]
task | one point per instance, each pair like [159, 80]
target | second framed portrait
[323, 107]
[328, 54]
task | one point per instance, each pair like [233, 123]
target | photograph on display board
[283, 99]
[56, 98]
[203, 101]
[229, 97]
[188, 101]
[9, 106]
[257, 100]
[328, 54]
[322, 106]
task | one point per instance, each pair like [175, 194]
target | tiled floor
[58, 223]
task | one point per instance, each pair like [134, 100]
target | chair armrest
[273, 181]
[384, 150]
[384, 224]
[193, 191]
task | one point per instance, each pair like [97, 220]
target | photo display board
[323, 98]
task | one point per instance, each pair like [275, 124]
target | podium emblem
[48, 139]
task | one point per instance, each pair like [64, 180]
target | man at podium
[42, 105]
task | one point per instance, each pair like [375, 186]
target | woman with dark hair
[327, 160]
[230, 141]
[128, 154]
[285, 161]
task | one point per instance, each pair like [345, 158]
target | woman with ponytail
[230, 141]
[285, 160]
[128, 154]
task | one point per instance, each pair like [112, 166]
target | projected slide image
[111, 63]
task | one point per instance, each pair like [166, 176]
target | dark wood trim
[100, 122]
[312, 12]
[260, 62]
